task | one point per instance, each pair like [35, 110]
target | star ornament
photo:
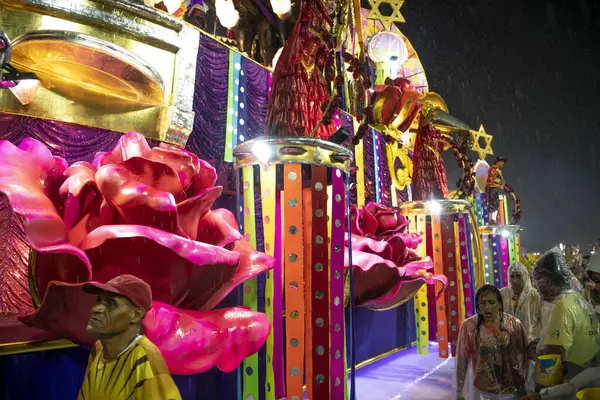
[386, 20]
[482, 143]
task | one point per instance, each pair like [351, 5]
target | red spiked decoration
[299, 90]
[429, 179]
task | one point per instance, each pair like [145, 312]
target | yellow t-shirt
[139, 373]
[574, 326]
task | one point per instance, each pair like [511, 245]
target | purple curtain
[210, 101]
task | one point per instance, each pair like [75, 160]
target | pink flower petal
[210, 286]
[172, 265]
[130, 145]
[368, 245]
[192, 342]
[65, 311]
[214, 228]
[141, 199]
[191, 211]
[403, 291]
[30, 177]
[180, 160]
[206, 177]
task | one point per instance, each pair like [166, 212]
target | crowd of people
[551, 313]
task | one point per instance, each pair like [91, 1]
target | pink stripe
[504, 258]
[336, 297]
[464, 266]
[278, 368]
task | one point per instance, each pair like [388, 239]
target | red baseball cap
[135, 289]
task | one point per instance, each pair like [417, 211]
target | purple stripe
[464, 266]
[278, 368]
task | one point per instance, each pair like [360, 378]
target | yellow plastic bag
[589, 394]
[548, 370]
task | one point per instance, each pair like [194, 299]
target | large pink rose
[387, 271]
[377, 220]
[135, 210]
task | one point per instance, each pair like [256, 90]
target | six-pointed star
[487, 148]
[387, 21]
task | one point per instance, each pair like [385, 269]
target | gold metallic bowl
[89, 70]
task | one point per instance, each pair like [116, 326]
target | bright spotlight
[434, 207]
[262, 151]
[505, 233]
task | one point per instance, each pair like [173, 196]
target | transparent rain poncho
[490, 361]
[528, 309]
[572, 323]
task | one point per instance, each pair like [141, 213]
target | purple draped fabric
[257, 85]
[369, 163]
[210, 101]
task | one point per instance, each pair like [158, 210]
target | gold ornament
[403, 176]
[387, 21]
[487, 148]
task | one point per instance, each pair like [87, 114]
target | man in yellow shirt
[572, 330]
[124, 364]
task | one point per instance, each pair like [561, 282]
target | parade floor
[407, 375]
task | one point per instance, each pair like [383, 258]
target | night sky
[529, 71]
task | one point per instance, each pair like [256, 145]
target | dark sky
[529, 71]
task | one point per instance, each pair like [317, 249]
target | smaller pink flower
[387, 270]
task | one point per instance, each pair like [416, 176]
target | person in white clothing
[520, 299]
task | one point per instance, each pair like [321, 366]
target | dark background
[528, 70]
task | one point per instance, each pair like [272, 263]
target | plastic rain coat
[528, 309]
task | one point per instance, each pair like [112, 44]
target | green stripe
[228, 157]
[250, 371]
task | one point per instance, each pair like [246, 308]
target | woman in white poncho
[520, 299]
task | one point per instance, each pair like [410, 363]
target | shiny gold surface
[30, 347]
[293, 151]
[498, 229]
[401, 177]
[89, 70]
[438, 207]
[161, 42]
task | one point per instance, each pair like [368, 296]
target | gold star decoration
[387, 21]
[487, 149]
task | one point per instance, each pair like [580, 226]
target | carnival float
[273, 171]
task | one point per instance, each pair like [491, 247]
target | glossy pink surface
[133, 210]
[387, 269]
[190, 341]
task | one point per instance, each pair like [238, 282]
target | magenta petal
[368, 245]
[140, 203]
[214, 228]
[366, 261]
[403, 291]
[192, 342]
[65, 311]
[130, 145]
[180, 160]
[192, 210]
[206, 177]
[170, 264]
[210, 286]
[65, 263]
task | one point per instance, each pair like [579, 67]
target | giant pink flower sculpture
[146, 212]
[387, 271]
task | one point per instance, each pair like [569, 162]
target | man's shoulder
[154, 356]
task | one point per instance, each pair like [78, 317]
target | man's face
[112, 315]
[548, 290]
[516, 281]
